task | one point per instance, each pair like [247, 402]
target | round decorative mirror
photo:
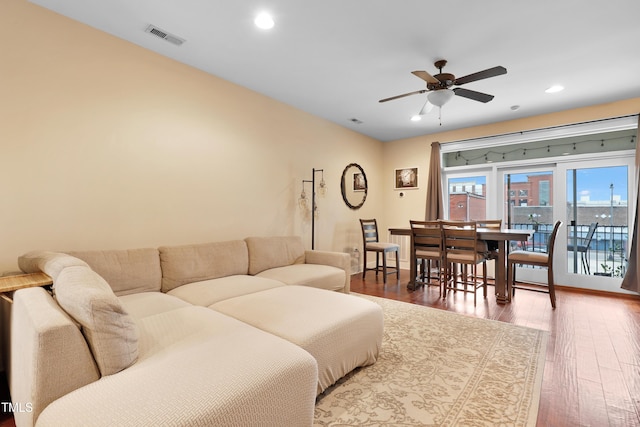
[354, 186]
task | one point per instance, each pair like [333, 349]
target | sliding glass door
[528, 204]
[598, 219]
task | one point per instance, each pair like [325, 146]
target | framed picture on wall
[406, 178]
[358, 182]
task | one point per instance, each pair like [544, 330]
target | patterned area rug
[441, 369]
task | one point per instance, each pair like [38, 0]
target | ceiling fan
[439, 86]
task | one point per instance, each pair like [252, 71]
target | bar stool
[426, 247]
[371, 243]
[460, 240]
[538, 259]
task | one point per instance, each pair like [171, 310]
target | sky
[596, 183]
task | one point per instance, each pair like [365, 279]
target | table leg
[501, 274]
[412, 277]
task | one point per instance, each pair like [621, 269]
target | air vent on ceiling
[152, 29]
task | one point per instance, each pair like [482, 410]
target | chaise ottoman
[345, 336]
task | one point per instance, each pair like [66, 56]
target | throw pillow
[110, 332]
[51, 263]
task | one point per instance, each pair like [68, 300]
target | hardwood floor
[592, 369]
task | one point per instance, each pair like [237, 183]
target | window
[467, 197]
[544, 191]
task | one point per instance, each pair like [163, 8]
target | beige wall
[107, 145]
[416, 151]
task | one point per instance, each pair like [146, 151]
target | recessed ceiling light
[416, 118]
[264, 21]
[555, 89]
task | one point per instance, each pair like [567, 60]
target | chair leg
[364, 266]
[397, 265]
[445, 282]
[441, 275]
[377, 263]
[413, 274]
[484, 280]
[585, 263]
[451, 279]
[384, 268]
[511, 278]
[552, 287]
[474, 272]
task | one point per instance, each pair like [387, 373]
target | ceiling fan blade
[426, 77]
[426, 108]
[491, 72]
[403, 95]
[472, 94]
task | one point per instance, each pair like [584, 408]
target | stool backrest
[460, 237]
[552, 241]
[369, 230]
[426, 235]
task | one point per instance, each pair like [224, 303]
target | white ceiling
[337, 58]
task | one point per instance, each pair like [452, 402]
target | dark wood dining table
[501, 236]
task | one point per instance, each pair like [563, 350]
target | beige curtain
[631, 281]
[435, 204]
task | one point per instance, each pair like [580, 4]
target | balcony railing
[606, 254]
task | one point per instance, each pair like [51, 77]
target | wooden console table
[9, 284]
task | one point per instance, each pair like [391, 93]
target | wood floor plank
[593, 408]
[620, 404]
[587, 367]
[631, 376]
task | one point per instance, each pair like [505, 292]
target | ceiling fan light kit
[439, 87]
[440, 97]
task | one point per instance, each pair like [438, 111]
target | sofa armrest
[335, 259]
[49, 356]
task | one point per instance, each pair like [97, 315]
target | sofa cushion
[272, 252]
[145, 304]
[211, 291]
[111, 333]
[126, 271]
[194, 263]
[315, 275]
[341, 331]
[51, 263]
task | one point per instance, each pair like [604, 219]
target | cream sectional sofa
[242, 333]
